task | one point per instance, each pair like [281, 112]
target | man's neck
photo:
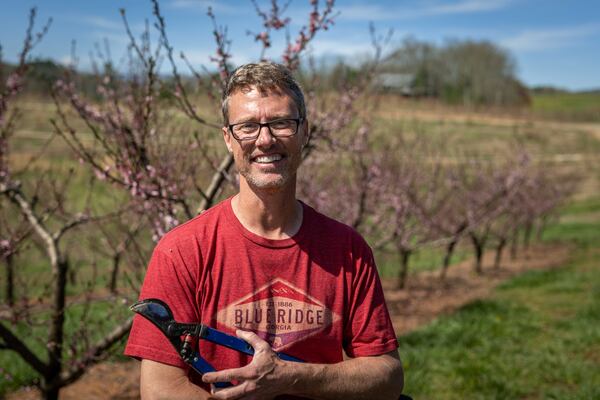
[271, 213]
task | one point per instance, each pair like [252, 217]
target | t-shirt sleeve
[368, 330]
[170, 279]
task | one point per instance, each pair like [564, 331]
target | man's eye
[248, 127]
[281, 124]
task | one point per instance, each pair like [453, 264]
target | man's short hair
[264, 76]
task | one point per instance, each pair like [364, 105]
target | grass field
[583, 106]
[537, 337]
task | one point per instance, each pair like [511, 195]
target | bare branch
[17, 197]
[180, 91]
[95, 353]
[12, 342]
[216, 183]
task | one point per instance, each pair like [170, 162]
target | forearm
[359, 378]
[267, 376]
[159, 381]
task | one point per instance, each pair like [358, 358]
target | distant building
[401, 83]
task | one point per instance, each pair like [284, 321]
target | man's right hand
[261, 379]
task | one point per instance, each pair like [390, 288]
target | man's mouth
[267, 158]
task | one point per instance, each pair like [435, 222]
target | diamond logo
[278, 312]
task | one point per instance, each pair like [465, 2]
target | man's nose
[265, 137]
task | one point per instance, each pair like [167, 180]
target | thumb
[253, 340]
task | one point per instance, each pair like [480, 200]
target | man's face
[267, 162]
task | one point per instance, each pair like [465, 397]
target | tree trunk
[540, 227]
[404, 257]
[450, 248]
[514, 244]
[478, 244]
[50, 393]
[9, 295]
[499, 250]
[72, 274]
[527, 235]
[56, 335]
[112, 284]
[448, 256]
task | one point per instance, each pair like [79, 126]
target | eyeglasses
[279, 128]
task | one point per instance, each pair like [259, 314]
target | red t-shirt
[310, 296]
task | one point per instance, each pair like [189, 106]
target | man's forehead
[253, 97]
[265, 91]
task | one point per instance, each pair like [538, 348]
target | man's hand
[267, 376]
[263, 378]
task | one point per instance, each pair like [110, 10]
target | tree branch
[16, 196]
[216, 183]
[94, 354]
[12, 342]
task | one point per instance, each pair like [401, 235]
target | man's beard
[265, 182]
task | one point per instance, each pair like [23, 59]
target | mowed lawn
[537, 337]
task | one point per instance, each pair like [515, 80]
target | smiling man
[272, 270]
[265, 161]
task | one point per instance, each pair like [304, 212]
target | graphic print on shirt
[278, 312]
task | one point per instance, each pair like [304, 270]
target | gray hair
[263, 76]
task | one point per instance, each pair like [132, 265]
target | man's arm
[161, 381]
[377, 377]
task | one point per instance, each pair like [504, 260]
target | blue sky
[553, 42]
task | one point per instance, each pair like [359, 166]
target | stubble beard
[275, 180]
[260, 181]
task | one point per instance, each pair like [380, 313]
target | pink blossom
[14, 81]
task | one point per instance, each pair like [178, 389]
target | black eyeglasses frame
[268, 125]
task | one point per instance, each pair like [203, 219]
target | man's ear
[227, 138]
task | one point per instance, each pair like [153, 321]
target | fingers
[232, 393]
[253, 340]
[249, 375]
[228, 375]
[247, 372]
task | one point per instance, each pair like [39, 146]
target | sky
[553, 42]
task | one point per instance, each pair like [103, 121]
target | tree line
[462, 72]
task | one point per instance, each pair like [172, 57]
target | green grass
[537, 337]
[426, 259]
[586, 206]
[571, 106]
[460, 138]
[578, 224]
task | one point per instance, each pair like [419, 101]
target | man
[270, 269]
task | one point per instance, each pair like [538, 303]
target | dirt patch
[118, 381]
[425, 298]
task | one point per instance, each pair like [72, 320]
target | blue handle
[202, 366]
[232, 342]
[235, 343]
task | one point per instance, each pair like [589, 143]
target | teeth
[268, 159]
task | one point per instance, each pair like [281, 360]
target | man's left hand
[261, 379]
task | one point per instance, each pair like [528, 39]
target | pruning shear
[159, 313]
